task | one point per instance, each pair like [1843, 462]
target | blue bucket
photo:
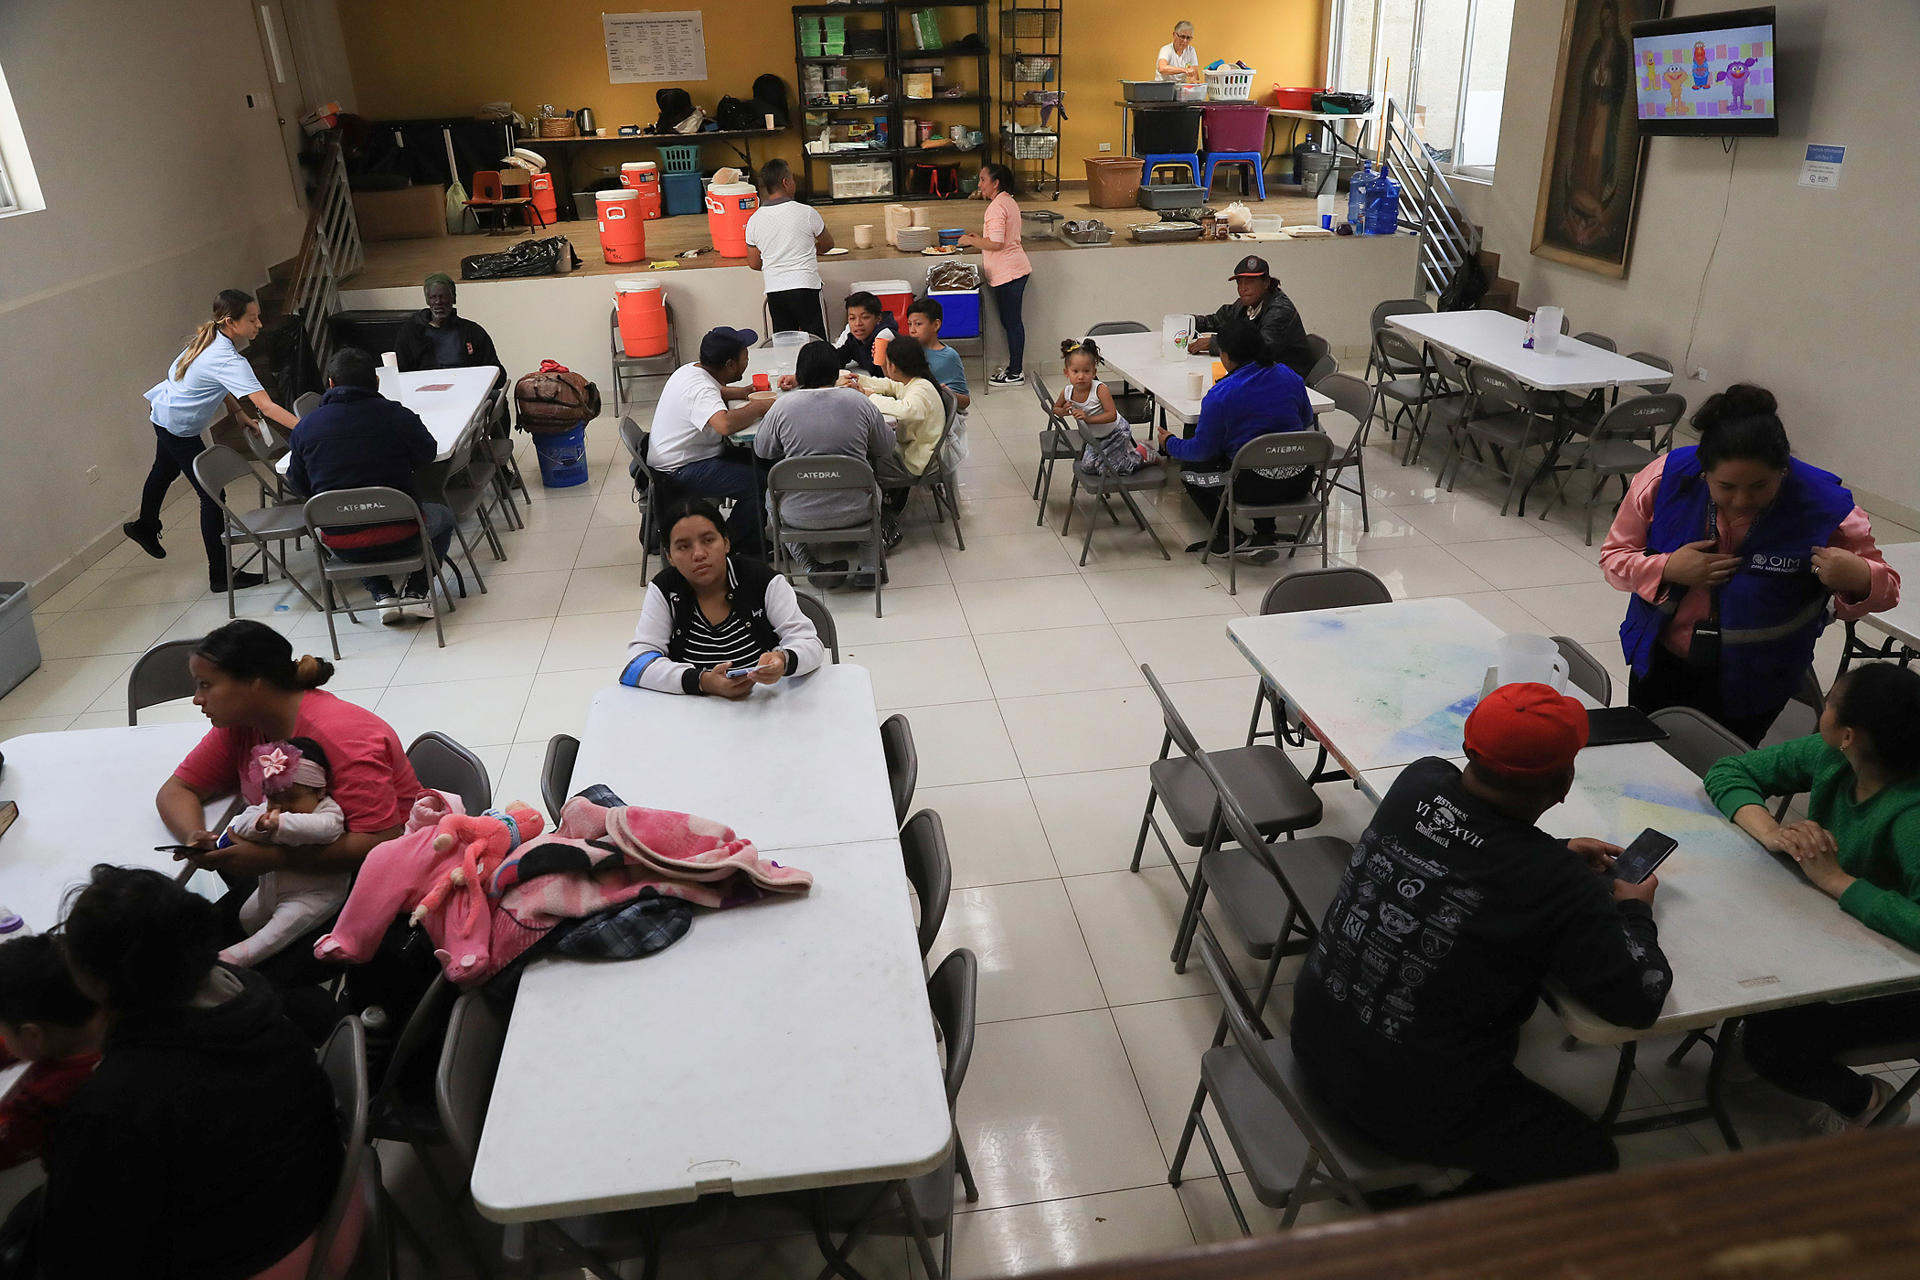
[563, 457]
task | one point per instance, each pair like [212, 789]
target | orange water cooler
[642, 306]
[623, 234]
[729, 205]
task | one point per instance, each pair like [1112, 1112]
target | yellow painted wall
[446, 57]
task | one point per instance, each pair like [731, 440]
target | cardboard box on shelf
[411, 213]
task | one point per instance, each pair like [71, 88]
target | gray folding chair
[1378, 321]
[1340, 587]
[828, 473]
[500, 449]
[443, 764]
[305, 403]
[1058, 443]
[1585, 671]
[1323, 361]
[1354, 399]
[647, 496]
[1280, 799]
[1659, 362]
[353, 508]
[217, 467]
[903, 762]
[1279, 450]
[1291, 1151]
[1446, 406]
[556, 773]
[1151, 475]
[1627, 437]
[822, 619]
[342, 1233]
[626, 366]
[1505, 421]
[923, 842]
[938, 478]
[1696, 739]
[924, 1206]
[160, 675]
[1599, 340]
[467, 495]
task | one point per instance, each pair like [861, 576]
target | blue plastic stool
[1252, 159]
[1155, 160]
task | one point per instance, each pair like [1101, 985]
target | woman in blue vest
[1737, 554]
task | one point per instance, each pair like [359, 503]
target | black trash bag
[771, 91]
[1468, 285]
[528, 258]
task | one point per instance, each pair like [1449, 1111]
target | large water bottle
[1357, 198]
[1383, 205]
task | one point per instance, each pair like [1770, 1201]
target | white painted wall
[1810, 293]
[161, 190]
[1335, 283]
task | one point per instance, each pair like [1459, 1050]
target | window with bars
[1443, 61]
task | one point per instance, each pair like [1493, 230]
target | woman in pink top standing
[1006, 266]
[1737, 554]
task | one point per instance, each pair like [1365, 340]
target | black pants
[1794, 1049]
[173, 457]
[1670, 682]
[1515, 1134]
[796, 311]
[1008, 298]
[1252, 488]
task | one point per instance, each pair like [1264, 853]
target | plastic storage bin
[959, 310]
[682, 194]
[1166, 131]
[861, 179]
[1112, 181]
[19, 647]
[1235, 128]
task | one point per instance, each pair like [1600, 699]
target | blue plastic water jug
[1357, 198]
[1383, 205]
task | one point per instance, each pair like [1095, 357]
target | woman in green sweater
[1860, 844]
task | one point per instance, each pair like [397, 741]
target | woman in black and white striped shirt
[711, 611]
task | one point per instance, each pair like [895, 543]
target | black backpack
[733, 114]
[771, 91]
[675, 105]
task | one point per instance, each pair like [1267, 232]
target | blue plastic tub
[563, 457]
[959, 312]
[681, 194]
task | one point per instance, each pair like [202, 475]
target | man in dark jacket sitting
[438, 337]
[357, 438]
[1455, 910]
[1262, 301]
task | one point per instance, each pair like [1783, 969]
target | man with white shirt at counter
[785, 239]
[692, 421]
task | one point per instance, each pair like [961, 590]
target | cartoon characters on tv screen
[1683, 77]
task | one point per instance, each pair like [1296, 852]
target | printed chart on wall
[646, 47]
[1725, 73]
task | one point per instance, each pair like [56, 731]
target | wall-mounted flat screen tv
[1709, 75]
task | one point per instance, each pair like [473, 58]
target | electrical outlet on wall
[1106, 146]
[93, 475]
[253, 101]
[1698, 375]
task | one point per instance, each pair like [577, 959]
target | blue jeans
[719, 481]
[1008, 298]
[439, 522]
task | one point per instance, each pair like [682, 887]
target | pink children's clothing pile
[487, 888]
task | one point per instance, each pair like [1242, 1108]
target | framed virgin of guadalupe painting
[1590, 177]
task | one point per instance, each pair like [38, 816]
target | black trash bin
[1166, 131]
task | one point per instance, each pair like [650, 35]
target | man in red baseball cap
[1454, 911]
[1266, 305]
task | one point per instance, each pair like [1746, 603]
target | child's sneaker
[1004, 378]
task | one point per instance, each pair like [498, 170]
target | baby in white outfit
[297, 810]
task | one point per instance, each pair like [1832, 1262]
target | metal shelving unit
[901, 153]
[1031, 50]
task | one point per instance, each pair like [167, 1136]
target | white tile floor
[1019, 672]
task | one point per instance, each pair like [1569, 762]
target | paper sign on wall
[1822, 166]
[646, 47]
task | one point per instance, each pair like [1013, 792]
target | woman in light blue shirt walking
[182, 404]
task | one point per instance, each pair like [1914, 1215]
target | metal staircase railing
[330, 251]
[1447, 237]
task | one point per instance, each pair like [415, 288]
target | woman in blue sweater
[1258, 396]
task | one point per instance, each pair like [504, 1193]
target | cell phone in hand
[736, 673]
[1638, 860]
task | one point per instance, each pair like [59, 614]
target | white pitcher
[1175, 332]
[1530, 659]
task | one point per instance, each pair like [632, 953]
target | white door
[283, 77]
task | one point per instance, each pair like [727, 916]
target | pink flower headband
[278, 765]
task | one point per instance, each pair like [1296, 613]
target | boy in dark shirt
[870, 327]
[46, 1023]
[1454, 911]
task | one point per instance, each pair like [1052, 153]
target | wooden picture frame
[1595, 158]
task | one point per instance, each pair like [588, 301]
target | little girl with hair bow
[287, 904]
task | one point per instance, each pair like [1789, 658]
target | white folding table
[64, 827]
[779, 1046]
[1139, 358]
[1496, 339]
[1900, 624]
[447, 400]
[1387, 684]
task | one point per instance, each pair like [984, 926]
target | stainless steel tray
[1165, 232]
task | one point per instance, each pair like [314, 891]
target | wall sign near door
[1822, 166]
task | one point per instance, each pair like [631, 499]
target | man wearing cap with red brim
[1262, 301]
[698, 409]
[1454, 911]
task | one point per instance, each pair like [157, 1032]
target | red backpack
[554, 399]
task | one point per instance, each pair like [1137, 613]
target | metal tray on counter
[1172, 195]
[1086, 232]
[1165, 232]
